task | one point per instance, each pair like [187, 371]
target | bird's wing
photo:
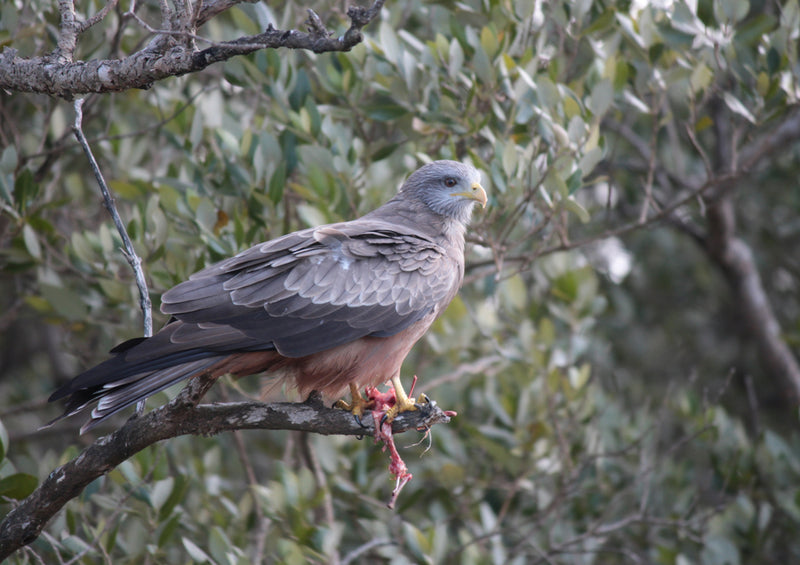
[315, 289]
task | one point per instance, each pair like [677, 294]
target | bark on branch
[184, 416]
[734, 257]
[171, 53]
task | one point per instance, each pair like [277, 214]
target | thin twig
[651, 168]
[108, 201]
[68, 28]
[84, 25]
[362, 549]
[171, 33]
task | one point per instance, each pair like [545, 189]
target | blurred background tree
[623, 353]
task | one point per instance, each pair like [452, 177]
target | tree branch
[734, 257]
[182, 417]
[57, 74]
[729, 253]
[108, 201]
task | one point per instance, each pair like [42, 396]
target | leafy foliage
[599, 420]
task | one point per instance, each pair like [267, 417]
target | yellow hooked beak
[476, 193]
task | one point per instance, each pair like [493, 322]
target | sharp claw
[356, 406]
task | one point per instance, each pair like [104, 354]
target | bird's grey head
[449, 188]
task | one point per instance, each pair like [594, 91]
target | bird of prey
[328, 308]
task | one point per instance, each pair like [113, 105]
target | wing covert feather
[321, 287]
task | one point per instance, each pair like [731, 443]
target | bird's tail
[117, 383]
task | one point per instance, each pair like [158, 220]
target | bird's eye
[450, 182]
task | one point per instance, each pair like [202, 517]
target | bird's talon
[401, 405]
[357, 406]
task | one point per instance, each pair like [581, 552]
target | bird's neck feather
[411, 212]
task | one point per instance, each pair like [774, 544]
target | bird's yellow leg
[358, 404]
[403, 402]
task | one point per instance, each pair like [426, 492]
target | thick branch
[735, 259]
[53, 74]
[731, 254]
[68, 31]
[180, 417]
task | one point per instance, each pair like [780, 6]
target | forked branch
[172, 52]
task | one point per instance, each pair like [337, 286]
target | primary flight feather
[327, 307]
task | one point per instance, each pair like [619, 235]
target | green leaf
[600, 23]
[194, 551]
[76, 545]
[310, 215]
[8, 160]
[574, 181]
[572, 205]
[384, 152]
[161, 492]
[510, 159]
[720, 550]
[700, 78]
[456, 59]
[168, 529]
[483, 66]
[385, 112]
[601, 98]
[220, 545]
[555, 184]
[548, 92]
[25, 190]
[773, 60]
[64, 302]
[17, 486]
[126, 190]
[302, 89]
[751, 31]
[277, 183]
[389, 43]
[733, 10]
[489, 42]
[735, 105]
[31, 241]
[590, 160]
